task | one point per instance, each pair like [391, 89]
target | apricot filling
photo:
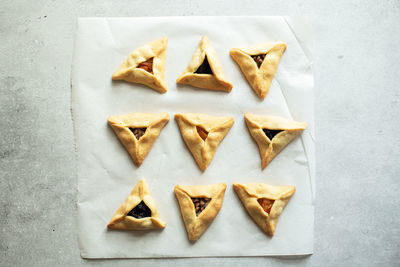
[203, 133]
[140, 211]
[271, 133]
[204, 67]
[266, 204]
[259, 59]
[200, 203]
[147, 65]
[138, 132]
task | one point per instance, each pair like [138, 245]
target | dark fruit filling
[259, 59]
[271, 133]
[138, 132]
[204, 68]
[140, 211]
[200, 203]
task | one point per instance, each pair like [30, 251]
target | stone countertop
[357, 117]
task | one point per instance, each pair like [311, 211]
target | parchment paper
[106, 174]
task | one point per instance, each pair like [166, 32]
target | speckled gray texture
[357, 78]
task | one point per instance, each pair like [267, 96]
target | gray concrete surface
[357, 113]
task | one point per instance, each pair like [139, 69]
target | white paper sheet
[106, 174]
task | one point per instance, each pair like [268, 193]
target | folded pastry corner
[138, 212]
[138, 132]
[272, 134]
[259, 64]
[204, 70]
[264, 202]
[145, 65]
[202, 134]
[199, 205]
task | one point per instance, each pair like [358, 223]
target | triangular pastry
[202, 134]
[138, 212]
[272, 134]
[199, 205]
[204, 69]
[138, 132]
[264, 202]
[259, 63]
[145, 65]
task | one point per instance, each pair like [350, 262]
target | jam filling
[271, 133]
[203, 133]
[266, 204]
[204, 68]
[200, 203]
[259, 59]
[138, 132]
[140, 211]
[147, 65]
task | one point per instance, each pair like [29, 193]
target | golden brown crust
[121, 221]
[130, 72]
[260, 79]
[203, 150]
[217, 81]
[197, 225]
[138, 149]
[250, 193]
[269, 149]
